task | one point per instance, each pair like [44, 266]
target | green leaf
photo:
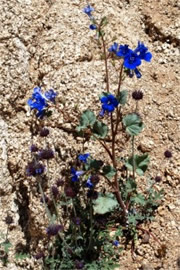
[6, 245]
[100, 129]
[103, 94]
[104, 21]
[105, 203]
[133, 124]
[96, 164]
[122, 97]
[109, 171]
[140, 162]
[132, 219]
[139, 199]
[21, 256]
[130, 185]
[88, 118]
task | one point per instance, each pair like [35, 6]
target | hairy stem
[116, 184]
[106, 63]
[104, 146]
[133, 158]
[91, 226]
[120, 78]
[44, 201]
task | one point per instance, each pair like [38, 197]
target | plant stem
[116, 184]
[133, 158]
[120, 79]
[91, 226]
[118, 109]
[104, 146]
[150, 233]
[44, 201]
[106, 65]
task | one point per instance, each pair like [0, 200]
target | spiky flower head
[168, 154]
[137, 95]
[53, 229]
[44, 132]
[46, 154]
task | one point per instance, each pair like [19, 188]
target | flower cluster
[39, 101]
[53, 229]
[83, 158]
[88, 10]
[132, 58]
[75, 174]
[34, 168]
[109, 103]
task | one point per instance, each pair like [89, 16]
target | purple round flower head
[55, 191]
[109, 103]
[89, 184]
[79, 264]
[46, 154]
[34, 168]
[75, 175]
[88, 10]
[113, 48]
[132, 60]
[51, 95]
[77, 221]
[70, 192]
[53, 229]
[34, 148]
[46, 199]
[92, 194]
[44, 132]
[84, 157]
[93, 27]
[8, 220]
[158, 179]
[94, 179]
[39, 255]
[123, 50]
[142, 52]
[137, 94]
[60, 182]
[116, 243]
[167, 154]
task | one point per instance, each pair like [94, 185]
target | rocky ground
[48, 42]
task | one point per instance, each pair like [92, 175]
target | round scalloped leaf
[88, 118]
[100, 129]
[105, 203]
[133, 124]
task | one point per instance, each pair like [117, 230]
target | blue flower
[39, 101]
[132, 60]
[89, 184]
[75, 174]
[88, 10]
[93, 27]
[142, 52]
[84, 157]
[50, 95]
[109, 103]
[123, 50]
[138, 73]
[113, 48]
[116, 243]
